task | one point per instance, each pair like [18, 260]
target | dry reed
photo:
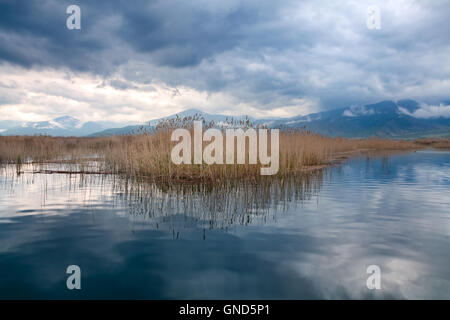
[438, 143]
[146, 155]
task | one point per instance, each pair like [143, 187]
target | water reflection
[166, 206]
[217, 206]
[300, 238]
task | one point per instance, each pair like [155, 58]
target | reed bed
[38, 149]
[438, 143]
[147, 154]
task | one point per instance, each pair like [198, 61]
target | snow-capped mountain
[62, 126]
[7, 124]
[217, 118]
[389, 119]
[401, 119]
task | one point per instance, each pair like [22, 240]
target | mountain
[7, 124]
[63, 126]
[387, 119]
[217, 118]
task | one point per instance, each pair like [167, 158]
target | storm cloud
[275, 58]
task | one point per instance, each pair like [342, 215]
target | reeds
[147, 155]
[36, 149]
[438, 143]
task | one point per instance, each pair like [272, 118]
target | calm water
[304, 238]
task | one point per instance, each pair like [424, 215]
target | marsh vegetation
[147, 153]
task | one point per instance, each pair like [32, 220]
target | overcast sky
[138, 60]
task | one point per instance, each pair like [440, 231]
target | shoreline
[147, 157]
[336, 160]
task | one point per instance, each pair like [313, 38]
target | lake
[308, 237]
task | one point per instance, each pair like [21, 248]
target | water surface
[311, 237]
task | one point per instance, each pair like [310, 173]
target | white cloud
[429, 111]
[43, 94]
[355, 111]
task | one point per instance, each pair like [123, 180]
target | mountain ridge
[386, 119]
[61, 126]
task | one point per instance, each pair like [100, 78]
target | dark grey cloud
[175, 33]
[265, 53]
[34, 33]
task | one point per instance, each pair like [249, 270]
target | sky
[133, 61]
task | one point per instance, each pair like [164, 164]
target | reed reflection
[168, 207]
[215, 206]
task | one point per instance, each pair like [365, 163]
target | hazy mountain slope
[384, 119]
[62, 126]
[8, 124]
[217, 118]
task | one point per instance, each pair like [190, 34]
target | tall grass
[146, 155]
[438, 143]
[36, 149]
